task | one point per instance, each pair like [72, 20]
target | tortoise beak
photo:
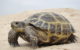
[14, 24]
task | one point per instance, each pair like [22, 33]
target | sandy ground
[71, 14]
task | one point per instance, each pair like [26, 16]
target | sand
[72, 15]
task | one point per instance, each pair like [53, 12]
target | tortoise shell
[52, 22]
[56, 26]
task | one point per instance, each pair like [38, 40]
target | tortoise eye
[16, 23]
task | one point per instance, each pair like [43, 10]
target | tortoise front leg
[12, 38]
[34, 41]
[31, 33]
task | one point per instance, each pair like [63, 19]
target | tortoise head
[18, 26]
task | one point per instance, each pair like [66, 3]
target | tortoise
[44, 28]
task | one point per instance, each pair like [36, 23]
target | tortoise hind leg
[72, 38]
[12, 38]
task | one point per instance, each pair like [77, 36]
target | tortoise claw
[14, 44]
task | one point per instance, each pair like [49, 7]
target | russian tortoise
[42, 28]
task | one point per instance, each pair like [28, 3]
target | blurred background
[16, 6]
